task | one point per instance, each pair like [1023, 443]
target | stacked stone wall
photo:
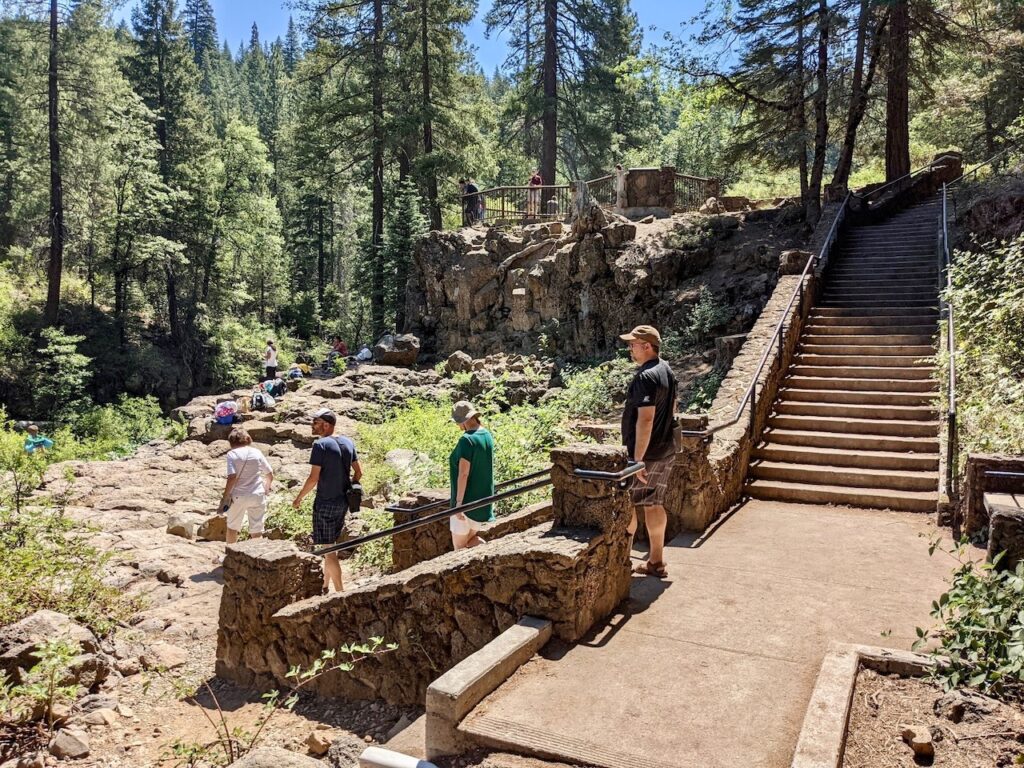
[573, 572]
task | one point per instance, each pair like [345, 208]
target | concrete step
[852, 441]
[921, 372]
[871, 498]
[855, 397]
[848, 384]
[868, 350]
[862, 361]
[839, 457]
[843, 330]
[839, 270]
[876, 340]
[868, 304]
[880, 318]
[855, 477]
[857, 411]
[873, 281]
[886, 427]
[894, 298]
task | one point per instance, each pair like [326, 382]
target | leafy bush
[61, 376]
[376, 554]
[43, 688]
[707, 315]
[703, 392]
[236, 353]
[980, 635]
[988, 301]
[294, 523]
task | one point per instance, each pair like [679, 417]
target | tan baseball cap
[646, 333]
[463, 412]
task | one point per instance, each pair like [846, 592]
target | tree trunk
[859, 90]
[897, 101]
[433, 208]
[7, 192]
[320, 262]
[56, 266]
[549, 144]
[813, 206]
[799, 111]
[377, 203]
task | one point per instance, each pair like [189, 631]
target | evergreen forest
[168, 203]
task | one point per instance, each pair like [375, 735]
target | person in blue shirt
[36, 442]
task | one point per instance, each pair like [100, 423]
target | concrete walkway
[714, 666]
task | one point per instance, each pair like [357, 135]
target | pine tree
[201, 29]
[292, 48]
[405, 225]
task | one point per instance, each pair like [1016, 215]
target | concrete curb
[823, 735]
[454, 695]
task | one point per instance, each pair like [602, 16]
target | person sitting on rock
[471, 471]
[250, 477]
[36, 442]
[334, 468]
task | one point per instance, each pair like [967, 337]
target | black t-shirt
[471, 193]
[652, 384]
[335, 456]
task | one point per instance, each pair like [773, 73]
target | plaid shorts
[652, 493]
[328, 521]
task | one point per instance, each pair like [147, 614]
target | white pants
[462, 527]
[253, 504]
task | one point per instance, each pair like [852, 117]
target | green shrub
[43, 687]
[703, 392]
[376, 554]
[979, 639]
[294, 523]
[236, 351]
[61, 376]
[988, 301]
[707, 315]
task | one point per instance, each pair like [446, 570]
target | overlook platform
[714, 666]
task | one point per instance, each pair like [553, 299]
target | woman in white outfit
[248, 485]
[270, 359]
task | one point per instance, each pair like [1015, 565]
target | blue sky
[235, 19]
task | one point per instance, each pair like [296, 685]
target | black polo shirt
[652, 384]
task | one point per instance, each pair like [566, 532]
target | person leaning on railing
[471, 471]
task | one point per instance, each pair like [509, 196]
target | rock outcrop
[571, 294]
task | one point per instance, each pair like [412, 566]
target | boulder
[214, 528]
[69, 745]
[164, 656]
[792, 262]
[712, 206]
[19, 643]
[458, 362]
[101, 716]
[402, 349]
[919, 739]
[965, 706]
[318, 742]
[275, 757]
[181, 525]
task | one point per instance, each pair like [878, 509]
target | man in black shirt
[334, 467]
[647, 433]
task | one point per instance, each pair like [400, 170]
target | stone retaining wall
[971, 514]
[572, 572]
[435, 539]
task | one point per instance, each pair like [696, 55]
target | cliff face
[571, 293]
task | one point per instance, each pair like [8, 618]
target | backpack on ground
[261, 401]
[225, 412]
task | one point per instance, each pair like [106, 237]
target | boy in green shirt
[471, 470]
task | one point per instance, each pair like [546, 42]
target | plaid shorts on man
[652, 493]
[328, 521]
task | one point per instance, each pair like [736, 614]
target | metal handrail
[904, 177]
[1002, 473]
[952, 432]
[751, 394]
[444, 502]
[979, 166]
[592, 474]
[693, 178]
[443, 515]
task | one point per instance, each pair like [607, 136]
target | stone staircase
[856, 421]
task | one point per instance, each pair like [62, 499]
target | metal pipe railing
[750, 395]
[1002, 473]
[904, 177]
[445, 502]
[952, 431]
[442, 515]
[592, 474]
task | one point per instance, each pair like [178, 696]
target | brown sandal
[652, 569]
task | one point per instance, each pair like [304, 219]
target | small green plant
[707, 314]
[294, 523]
[979, 636]
[703, 392]
[233, 742]
[375, 554]
[44, 686]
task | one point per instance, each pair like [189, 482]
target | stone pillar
[423, 543]
[602, 578]
[1006, 534]
[694, 497]
[973, 515]
[261, 576]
